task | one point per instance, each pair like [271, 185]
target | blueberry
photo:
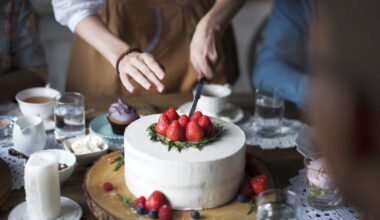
[140, 210]
[242, 198]
[195, 214]
[153, 214]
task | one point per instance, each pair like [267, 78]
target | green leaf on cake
[217, 133]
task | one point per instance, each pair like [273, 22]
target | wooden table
[282, 163]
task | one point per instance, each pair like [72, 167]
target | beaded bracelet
[125, 53]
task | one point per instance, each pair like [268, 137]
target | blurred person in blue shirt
[282, 62]
[22, 59]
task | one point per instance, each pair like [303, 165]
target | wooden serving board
[5, 182]
[107, 205]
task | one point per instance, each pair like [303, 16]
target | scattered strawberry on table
[107, 186]
[165, 212]
[258, 183]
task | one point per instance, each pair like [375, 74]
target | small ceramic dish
[64, 157]
[86, 158]
[101, 127]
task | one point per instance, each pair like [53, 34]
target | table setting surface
[281, 163]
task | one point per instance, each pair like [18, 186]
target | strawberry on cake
[197, 162]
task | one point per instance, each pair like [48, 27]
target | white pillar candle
[42, 186]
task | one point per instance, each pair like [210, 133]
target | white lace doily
[343, 212]
[17, 164]
[286, 139]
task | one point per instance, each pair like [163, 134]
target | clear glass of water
[269, 111]
[277, 204]
[69, 115]
[322, 193]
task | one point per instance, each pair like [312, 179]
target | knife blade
[197, 95]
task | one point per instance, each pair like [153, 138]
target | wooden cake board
[107, 205]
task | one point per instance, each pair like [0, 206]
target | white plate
[70, 210]
[231, 113]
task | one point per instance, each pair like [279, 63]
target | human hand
[143, 68]
[205, 49]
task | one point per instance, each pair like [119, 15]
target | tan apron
[162, 27]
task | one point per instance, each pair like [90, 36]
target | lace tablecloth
[287, 138]
[17, 164]
[343, 212]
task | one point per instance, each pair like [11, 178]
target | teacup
[38, 101]
[214, 98]
[29, 135]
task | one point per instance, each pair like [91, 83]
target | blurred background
[57, 40]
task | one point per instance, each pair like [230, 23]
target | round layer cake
[190, 179]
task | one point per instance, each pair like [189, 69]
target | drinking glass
[69, 115]
[321, 193]
[269, 111]
[277, 204]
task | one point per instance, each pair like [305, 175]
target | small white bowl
[67, 158]
[87, 158]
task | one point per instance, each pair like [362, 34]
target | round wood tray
[5, 182]
[107, 205]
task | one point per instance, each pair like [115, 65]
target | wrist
[210, 25]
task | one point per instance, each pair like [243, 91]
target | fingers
[138, 77]
[127, 84]
[144, 69]
[148, 73]
[153, 65]
[203, 68]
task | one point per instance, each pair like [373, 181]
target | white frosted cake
[190, 179]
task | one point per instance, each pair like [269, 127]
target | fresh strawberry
[258, 183]
[172, 114]
[165, 213]
[162, 124]
[205, 124]
[196, 115]
[140, 201]
[247, 191]
[175, 131]
[155, 201]
[194, 132]
[107, 186]
[183, 120]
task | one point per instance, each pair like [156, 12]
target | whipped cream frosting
[122, 112]
[192, 178]
[318, 175]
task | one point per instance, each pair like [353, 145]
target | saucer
[70, 210]
[49, 124]
[231, 113]
[101, 127]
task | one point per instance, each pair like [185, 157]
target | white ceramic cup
[29, 135]
[43, 110]
[214, 98]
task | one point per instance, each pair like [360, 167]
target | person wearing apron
[144, 46]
